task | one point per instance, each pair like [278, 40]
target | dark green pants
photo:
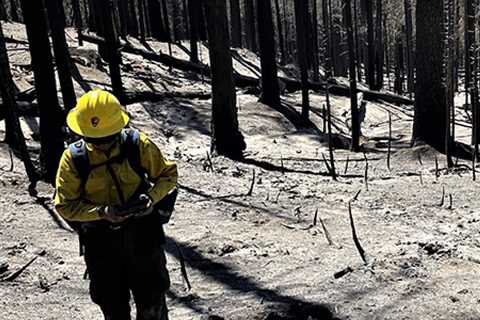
[124, 262]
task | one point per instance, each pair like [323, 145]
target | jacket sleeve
[68, 201]
[162, 172]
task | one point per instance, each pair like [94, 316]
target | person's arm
[68, 201]
[161, 172]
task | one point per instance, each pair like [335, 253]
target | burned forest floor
[269, 251]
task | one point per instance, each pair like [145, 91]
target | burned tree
[51, 116]
[270, 87]
[430, 108]
[226, 137]
[355, 146]
[301, 12]
[236, 19]
[14, 134]
[409, 46]
[62, 55]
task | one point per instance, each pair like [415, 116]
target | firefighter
[109, 185]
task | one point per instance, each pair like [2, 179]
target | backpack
[130, 150]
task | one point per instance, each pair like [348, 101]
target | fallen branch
[389, 140]
[356, 196]
[17, 273]
[342, 273]
[245, 81]
[250, 191]
[443, 197]
[355, 237]
[327, 234]
[366, 171]
[292, 227]
[346, 164]
[315, 217]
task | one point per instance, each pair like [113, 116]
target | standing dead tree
[14, 134]
[62, 55]
[270, 87]
[226, 137]
[51, 116]
[355, 146]
[301, 12]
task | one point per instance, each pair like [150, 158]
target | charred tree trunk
[387, 52]
[132, 18]
[399, 66]
[51, 116]
[347, 7]
[166, 22]
[13, 131]
[236, 19]
[177, 26]
[281, 39]
[3, 11]
[250, 25]
[141, 20]
[327, 41]
[77, 13]
[226, 137]
[430, 108]
[14, 11]
[371, 46]
[156, 19]
[194, 8]
[316, 61]
[300, 14]
[270, 88]
[379, 58]
[113, 49]
[469, 45]
[358, 45]
[409, 44]
[62, 55]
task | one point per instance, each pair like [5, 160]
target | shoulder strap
[78, 150]
[131, 150]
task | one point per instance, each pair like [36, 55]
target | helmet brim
[91, 132]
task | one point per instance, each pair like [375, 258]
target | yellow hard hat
[98, 114]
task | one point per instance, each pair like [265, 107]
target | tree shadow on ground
[286, 307]
[227, 199]
[272, 167]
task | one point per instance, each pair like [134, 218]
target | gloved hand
[111, 214]
[143, 206]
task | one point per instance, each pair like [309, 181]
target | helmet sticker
[94, 121]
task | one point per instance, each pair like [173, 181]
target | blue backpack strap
[78, 151]
[131, 150]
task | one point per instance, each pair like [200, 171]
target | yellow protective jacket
[75, 204]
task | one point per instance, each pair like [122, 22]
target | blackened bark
[194, 8]
[316, 60]
[399, 66]
[14, 11]
[176, 17]
[141, 20]
[430, 108]
[51, 116]
[91, 16]
[236, 21]
[300, 15]
[3, 11]
[62, 54]
[355, 146]
[112, 48]
[281, 39]
[379, 58]
[13, 132]
[270, 88]
[370, 45]
[409, 47]
[358, 45]
[132, 18]
[156, 20]
[166, 21]
[469, 44]
[185, 17]
[250, 25]
[77, 13]
[226, 137]
[327, 40]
